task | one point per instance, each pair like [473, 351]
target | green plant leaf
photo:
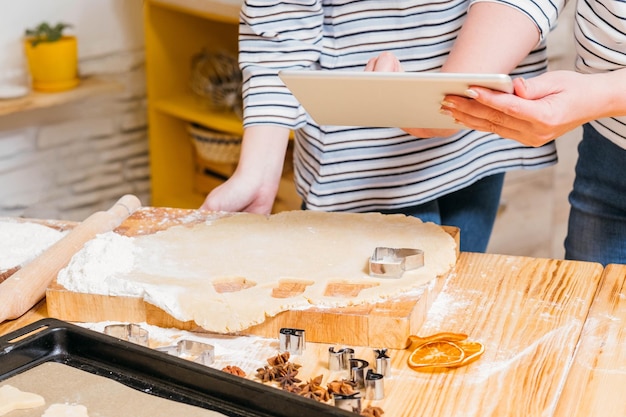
[46, 33]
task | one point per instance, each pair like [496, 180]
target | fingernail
[445, 112]
[448, 104]
[471, 93]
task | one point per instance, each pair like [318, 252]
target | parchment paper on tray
[103, 397]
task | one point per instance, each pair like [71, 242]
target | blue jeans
[597, 220]
[472, 209]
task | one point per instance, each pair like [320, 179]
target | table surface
[553, 331]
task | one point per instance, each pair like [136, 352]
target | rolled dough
[12, 399]
[224, 274]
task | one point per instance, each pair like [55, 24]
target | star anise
[266, 374]
[314, 390]
[370, 411]
[234, 370]
[287, 376]
[293, 388]
[279, 359]
[279, 369]
[287, 367]
[343, 387]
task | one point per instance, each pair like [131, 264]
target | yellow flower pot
[53, 66]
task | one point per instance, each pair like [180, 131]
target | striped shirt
[339, 168]
[600, 33]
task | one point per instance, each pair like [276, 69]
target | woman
[548, 106]
[453, 179]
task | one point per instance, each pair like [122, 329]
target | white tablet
[383, 99]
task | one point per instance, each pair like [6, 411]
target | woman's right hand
[388, 62]
[254, 184]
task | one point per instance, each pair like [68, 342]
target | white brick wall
[68, 161]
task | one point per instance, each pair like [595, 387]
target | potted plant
[52, 57]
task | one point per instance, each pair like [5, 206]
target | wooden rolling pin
[20, 292]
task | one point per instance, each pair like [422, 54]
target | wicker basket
[216, 80]
[214, 146]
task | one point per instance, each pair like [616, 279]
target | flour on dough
[21, 242]
[223, 274]
[12, 399]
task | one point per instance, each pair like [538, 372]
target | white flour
[246, 352]
[95, 268]
[21, 242]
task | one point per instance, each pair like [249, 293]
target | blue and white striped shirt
[600, 32]
[339, 168]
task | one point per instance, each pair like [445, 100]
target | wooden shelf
[191, 108]
[175, 32]
[88, 87]
[218, 10]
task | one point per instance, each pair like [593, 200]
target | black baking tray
[147, 370]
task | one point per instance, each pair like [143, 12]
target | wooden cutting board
[384, 324]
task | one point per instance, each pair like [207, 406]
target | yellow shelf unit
[174, 32]
[219, 10]
[188, 107]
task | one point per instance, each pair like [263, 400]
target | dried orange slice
[441, 351]
[435, 354]
[472, 350]
[414, 342]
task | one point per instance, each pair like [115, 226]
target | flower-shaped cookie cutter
[202, 353]
[392, 262]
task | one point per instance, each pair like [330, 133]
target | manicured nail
[445, 112]
[471, 93]
[448, 104]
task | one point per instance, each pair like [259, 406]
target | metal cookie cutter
[382, 362]
[202, 353]
[357, 372]
[392, 262]
[374, 386]
[292, 340]
[129, 332]
[349, 402]
[340, 359]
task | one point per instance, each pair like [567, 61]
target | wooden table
[531, 315]
[596, 384]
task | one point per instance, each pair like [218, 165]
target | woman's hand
[242, 193]
[542, 108]
[254, 184]
[388, 62]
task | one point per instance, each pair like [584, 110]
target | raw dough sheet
[223, 274]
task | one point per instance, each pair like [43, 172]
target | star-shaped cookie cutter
[392, 262]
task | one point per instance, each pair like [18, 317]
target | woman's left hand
[542, 108]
